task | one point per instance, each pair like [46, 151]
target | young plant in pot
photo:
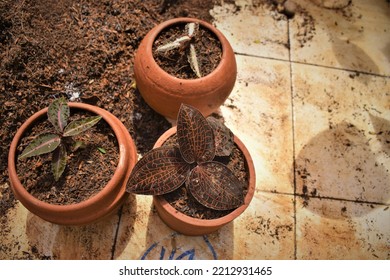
[194, 166]
[51, 178]
[185, 60]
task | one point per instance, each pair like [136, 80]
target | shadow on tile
[382, 132]
[351, 238]
[91, 242]
[386, 51]
[164, 244]
[338, 163]
[351, 56]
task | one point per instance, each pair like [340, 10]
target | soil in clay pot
[88, 168]
[175, 61]
[183, 201]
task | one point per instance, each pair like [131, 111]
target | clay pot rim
[222, 220]
[120, 170]
[157, 30]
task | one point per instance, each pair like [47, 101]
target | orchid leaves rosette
[192, 162]
[58, 114]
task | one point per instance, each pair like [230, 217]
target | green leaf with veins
[58, 162]
[78, 126]
[58, 114]
[42, 144]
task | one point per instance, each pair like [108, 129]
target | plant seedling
[58, 114]
[186, 43]
[165, 169]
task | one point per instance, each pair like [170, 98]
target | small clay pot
[94, 208]
[165, 93]
[192, 226]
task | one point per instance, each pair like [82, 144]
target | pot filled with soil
[69, 163]
[201, 175]
[185, 60]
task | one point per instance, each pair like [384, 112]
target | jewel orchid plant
[58, 114]
[185, 43]
[165, 169]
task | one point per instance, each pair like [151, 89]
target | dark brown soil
[83, 51]
[87, 171]
[175, 62]
[183, 201]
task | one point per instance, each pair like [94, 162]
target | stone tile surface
[252, 29]
[30, 237]
[356, 37]
[259, 112]
[333, 229]
[266, 230]
[342, 150]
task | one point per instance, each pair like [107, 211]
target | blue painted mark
[210, 247]
[148, 251]
[162, 253]
[189, 253]
[172, 255]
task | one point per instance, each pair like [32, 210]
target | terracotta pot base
[100, 205]
[192, 226]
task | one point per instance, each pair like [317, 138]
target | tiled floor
[312, 104]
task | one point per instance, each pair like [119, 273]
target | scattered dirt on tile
[306, 27]
[266, 227]
[329, 233]
[295, 13]
[342, 7]
[342, 144]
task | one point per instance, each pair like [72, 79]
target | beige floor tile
[14, 242]
[264, 231]
[259, 112]
[331, 229]
[30, 237]
[341, 134]
[252, 29]
[355, 38]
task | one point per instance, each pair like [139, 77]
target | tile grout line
[327, 197]
[293, 139]
[116, 233]
[313, 64]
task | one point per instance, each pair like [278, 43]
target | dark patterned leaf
[58, 114]
[42, 144]
[58, 162]
[159, 171]
[194, 135]
[78, 126]
[224, 138]
[215, 186]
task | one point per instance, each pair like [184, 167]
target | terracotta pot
[192, 226]
[165, 93]
[94, 208]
